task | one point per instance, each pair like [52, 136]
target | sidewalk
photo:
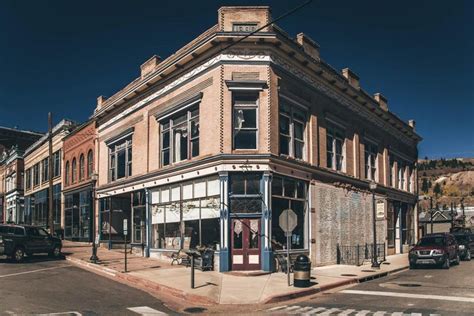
[160, 278]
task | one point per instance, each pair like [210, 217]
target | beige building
[36, 181]
[209, 146]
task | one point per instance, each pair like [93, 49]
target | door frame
[245, 251]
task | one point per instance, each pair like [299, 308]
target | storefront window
[245, 195]
[289, 193]
[186, 215]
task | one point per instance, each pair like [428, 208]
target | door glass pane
[253, 234]
[238, 234]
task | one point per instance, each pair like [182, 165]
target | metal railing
[358, 254]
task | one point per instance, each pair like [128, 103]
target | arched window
[90, 164]
[66, 173]
[81, 167]
[74, 170]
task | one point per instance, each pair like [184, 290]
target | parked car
[16, 241]
[435, 249]
[466, 245]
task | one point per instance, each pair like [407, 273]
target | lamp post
[375, 263]
[94, 258]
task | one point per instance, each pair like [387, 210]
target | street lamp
[94, 258]
[375, 263]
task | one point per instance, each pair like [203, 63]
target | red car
[435, 249]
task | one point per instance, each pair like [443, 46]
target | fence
[358, 254]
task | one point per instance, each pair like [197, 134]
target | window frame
[249, 106]
[28, 179]
[66, 172]
[73, 170]
[373, 174]
[90, 163]
[81, 167]
[125, 144]
[292, 137]
[44, 170]
[169, 122]
[36, 174]
[57, 163]
[332, 130]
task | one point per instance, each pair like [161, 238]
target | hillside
[447, 181]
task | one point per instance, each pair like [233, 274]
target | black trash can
[302, 271]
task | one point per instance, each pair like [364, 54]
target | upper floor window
[90, 163]
[57, 163]
[45, 169]
[11, 182]
[371, 161]
[36, 175]
[335, 148]
[245, 118]
[180, 137]
[401, 175]
[409, 179]
[74, 170]
[82, 167]
[120, 159]
[66, 173]
[392, 172]
[28, 179]
[292, 123]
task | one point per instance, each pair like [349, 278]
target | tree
[429, 184]
[424, 186]
[437, 189]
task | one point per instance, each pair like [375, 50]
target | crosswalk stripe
[313, 311]
[397, 314]
[324, 311]
[329, 312]
[379, 313]
[303, 309]
[416, 314]
[362, 313]
[346, 312]
[146, 311]
[277, 308]
[410, 295]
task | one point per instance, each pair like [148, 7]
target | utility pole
[50, 174]
[463, 214]
[431, 213]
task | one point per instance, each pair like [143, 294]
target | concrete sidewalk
[161, 278]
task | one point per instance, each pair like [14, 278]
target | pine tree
[424, 186]
[437, 189]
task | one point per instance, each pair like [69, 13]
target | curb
[289, 296]
[150, 287]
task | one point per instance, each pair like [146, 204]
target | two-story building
[12, 145]
[209, 146]
[37, 177]
[78, 182]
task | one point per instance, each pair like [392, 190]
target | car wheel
[19, 254]
[412, 266]
[468, 256]
[446, 263]
[56, 252]
[458, 260]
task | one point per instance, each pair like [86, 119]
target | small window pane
[253, 184]
[166, 140]
[299, 130]
[289, 186]
[237, 184]
[277, 186]
[245, 139]
[284, 125]
[299, 149]
[284, 145]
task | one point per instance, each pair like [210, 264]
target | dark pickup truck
[16, 241]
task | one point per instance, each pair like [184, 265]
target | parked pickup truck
[16, 241]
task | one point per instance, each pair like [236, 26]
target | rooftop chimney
[310, 47]
[243, 18]
[412, 124]
[351, 77]
[382, 101]
[100, 100]
[149, 65]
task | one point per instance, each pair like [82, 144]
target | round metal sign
[288, 220]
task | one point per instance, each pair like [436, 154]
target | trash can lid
[302, 259]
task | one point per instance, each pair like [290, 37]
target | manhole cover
[347, 274]
[409, 284]
[195, 310]
[368, 270]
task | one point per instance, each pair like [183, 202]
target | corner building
[210, 145]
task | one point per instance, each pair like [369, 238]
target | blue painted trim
[148, 223]
[267, 260]
[224, 260]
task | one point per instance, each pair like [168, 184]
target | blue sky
[60, 55]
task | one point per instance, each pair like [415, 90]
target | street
[427, 291]
[44, 286]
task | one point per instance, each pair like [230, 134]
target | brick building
[13, 143]
[210, 145]
[37, 178]
[78, 175]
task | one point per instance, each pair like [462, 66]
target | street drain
[409, 284]
[195, 310]
[368, 270]
[347, 274]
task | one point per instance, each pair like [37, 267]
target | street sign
[288, 221]
[125, 227]
[380, 210]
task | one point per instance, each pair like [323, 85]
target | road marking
[63, 313]
[31, 271]
[277, 308]
[346, 312]
[362, 313]
[145, 311]
[314, 311]
[329, 311]
[410, 295]
[308, 310]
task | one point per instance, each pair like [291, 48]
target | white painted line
[410, 295]
[63, 313]
[303, 309]
[362, 313]
[145, 311]
[397, 314]
[416, 314]
[314, 311]
[346, 312]
[31, 271]
[379, 313]
[329, 311]
[292, 308]
[277, 308]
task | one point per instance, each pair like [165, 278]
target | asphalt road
[414, 292]
[44, 286]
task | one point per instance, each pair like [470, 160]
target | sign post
[125, 233]
[288, 221]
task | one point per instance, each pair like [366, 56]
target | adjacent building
[13, 143]
[36, 183]
[79, 182]
[209, 146]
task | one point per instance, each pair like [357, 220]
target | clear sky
[60, 55]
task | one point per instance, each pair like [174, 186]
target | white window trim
[291, 103]
[256, 106]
